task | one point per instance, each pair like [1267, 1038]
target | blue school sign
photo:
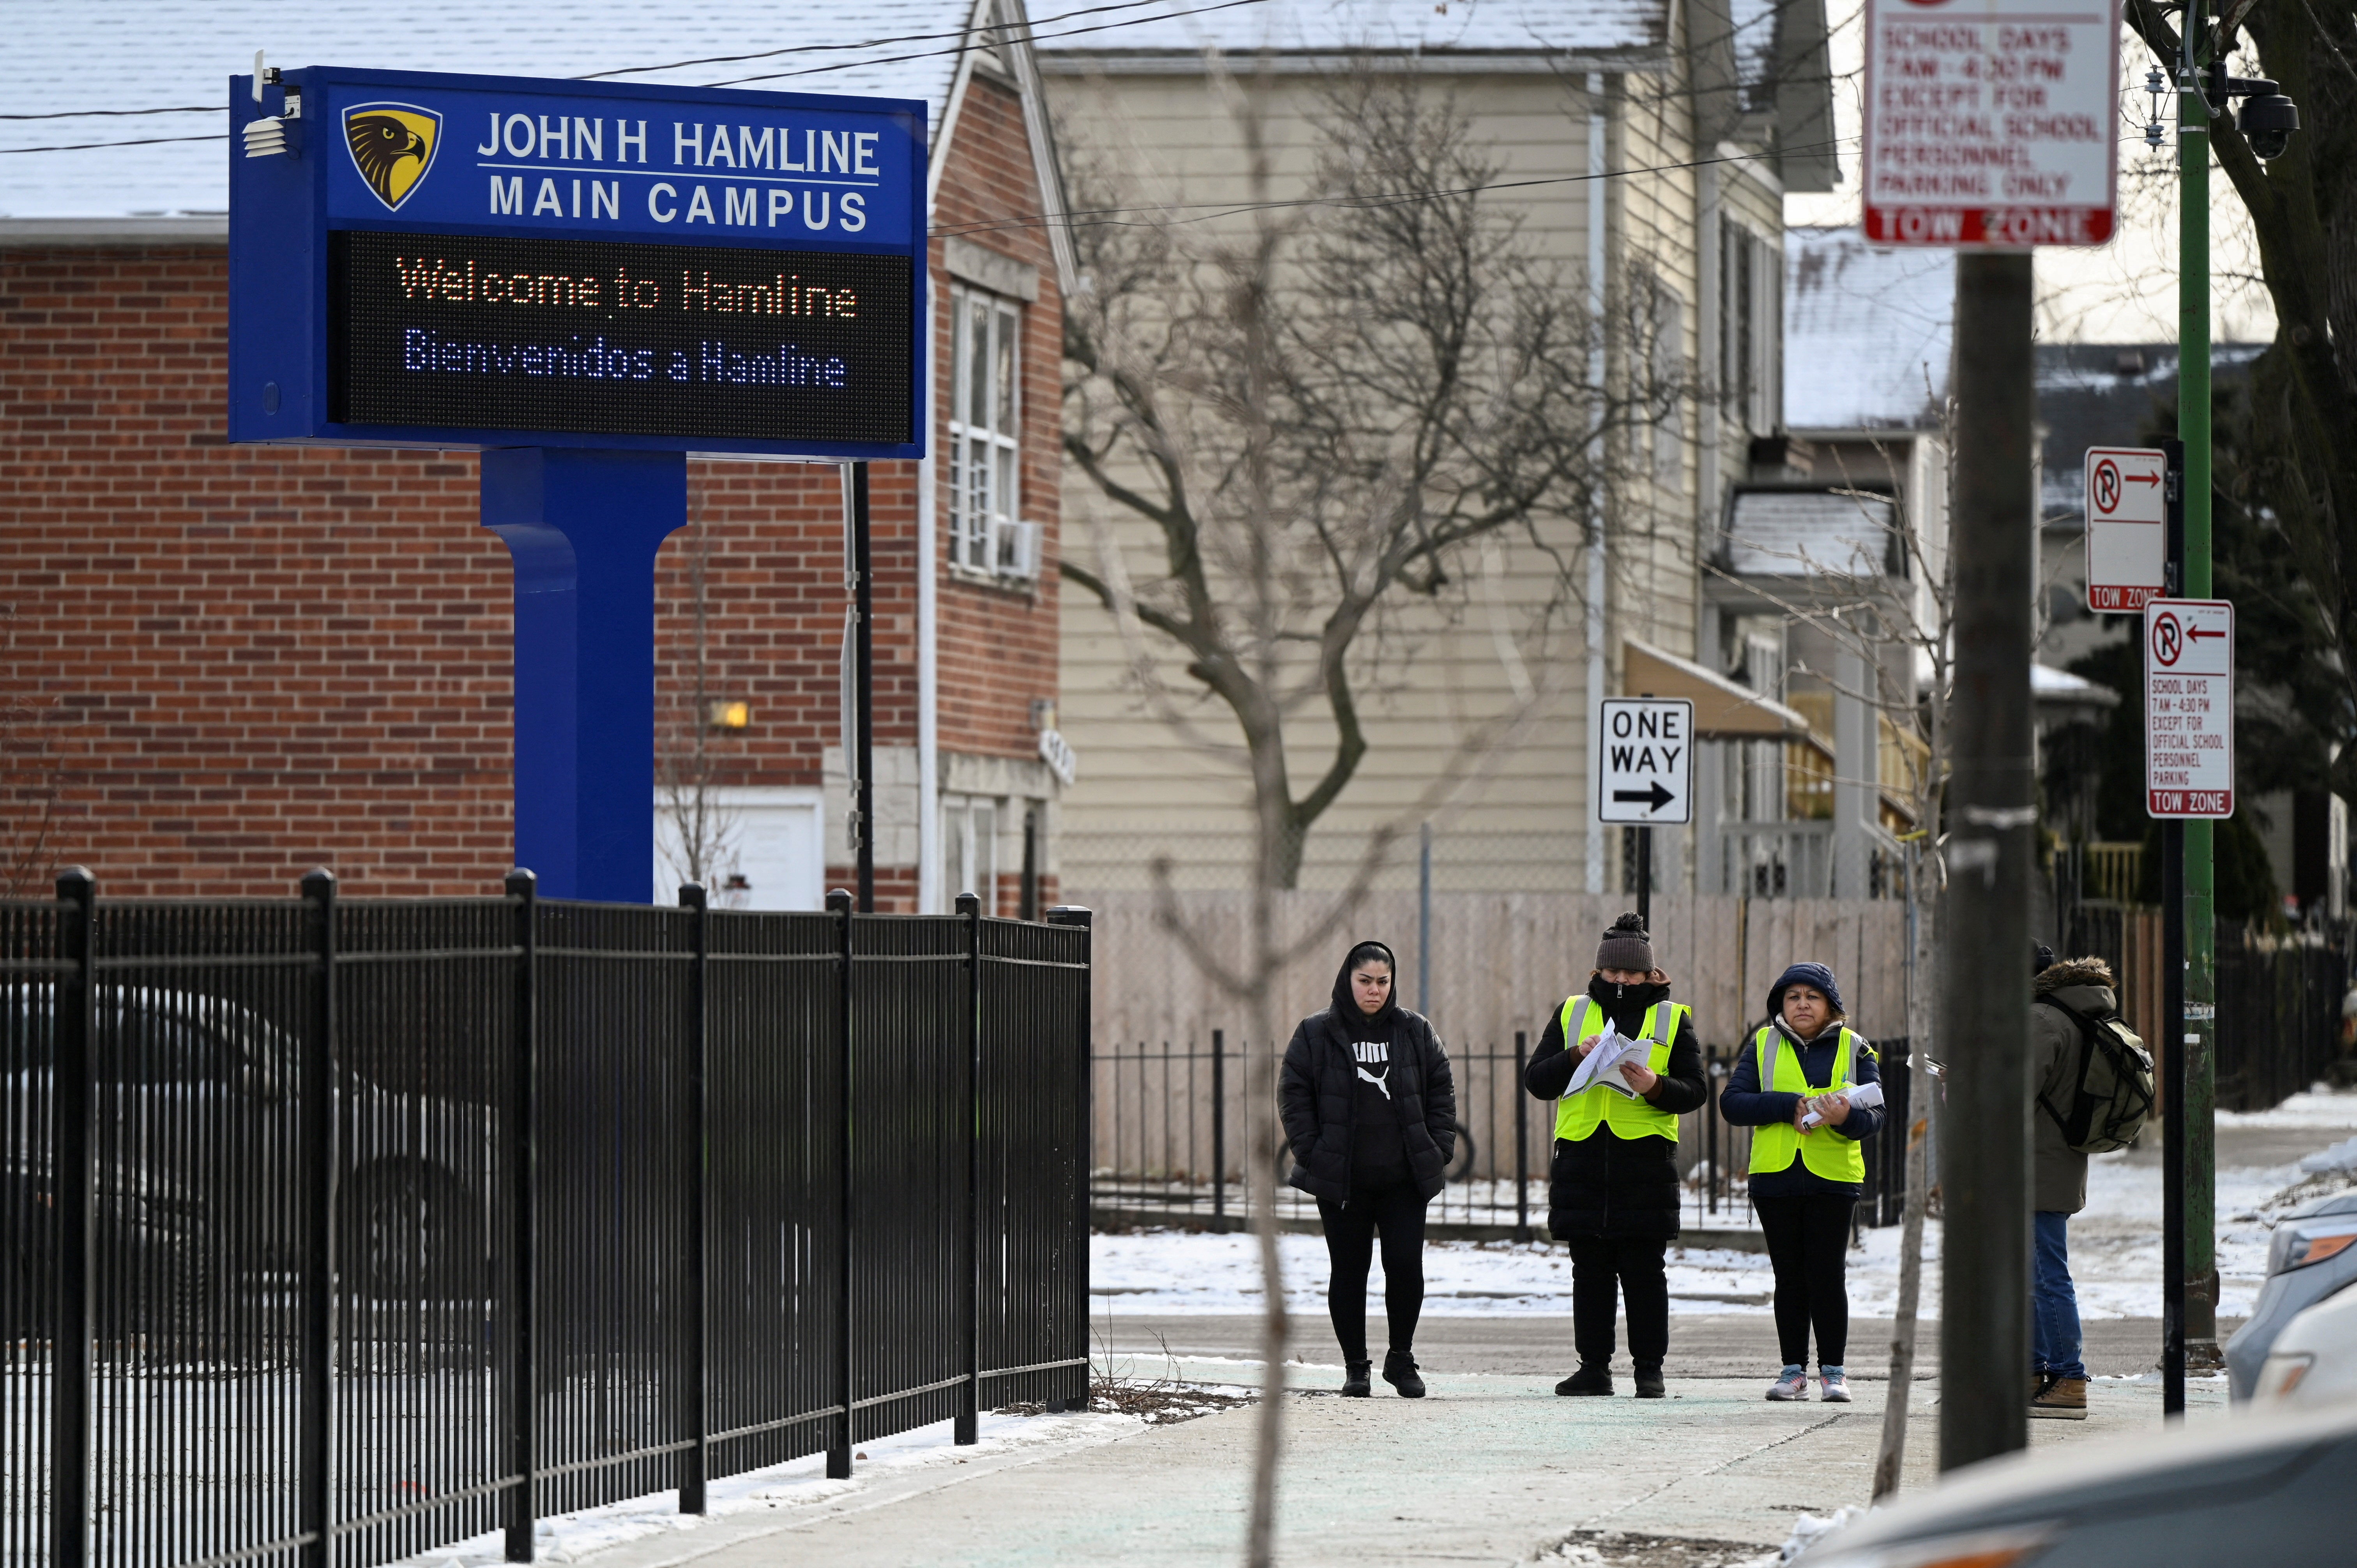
[585, 283]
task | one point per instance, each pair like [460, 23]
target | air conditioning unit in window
[1017, 550]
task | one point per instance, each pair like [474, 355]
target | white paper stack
[1603, 1064]
[1867, 1094]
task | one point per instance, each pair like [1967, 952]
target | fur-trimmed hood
[2069, 972]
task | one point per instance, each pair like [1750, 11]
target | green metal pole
[2201, 883]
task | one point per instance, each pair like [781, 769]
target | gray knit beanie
[1626, 946]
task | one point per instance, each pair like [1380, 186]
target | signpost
[1989, 127]
[587, 282]
[2189, 705]
[1991, 121]
[2127, 527]
[1647, 774]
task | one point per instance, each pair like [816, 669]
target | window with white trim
[985, 443]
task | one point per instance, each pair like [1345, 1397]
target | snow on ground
[567, 1538]
[2114, 1251]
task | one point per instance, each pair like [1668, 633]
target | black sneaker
[1593, 1378]
[1399, 1370]
[1649, 1383]
[1356, 1383]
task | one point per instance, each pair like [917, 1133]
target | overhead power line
[961, 48]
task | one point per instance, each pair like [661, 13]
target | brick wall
[998, 647]
[241, 662]
[248, 661]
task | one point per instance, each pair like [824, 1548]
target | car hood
[2173, 1472]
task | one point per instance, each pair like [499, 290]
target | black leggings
[1808, 1241]
[1398, 1213]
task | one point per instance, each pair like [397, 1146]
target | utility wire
[963, 33]
[903, 39]
[104, 113]
[962, 48]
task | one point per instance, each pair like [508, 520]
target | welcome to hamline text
[784, 293]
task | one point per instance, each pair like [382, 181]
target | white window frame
[986, 535]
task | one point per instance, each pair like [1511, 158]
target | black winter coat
[1318, 1090]
[1605, 1185]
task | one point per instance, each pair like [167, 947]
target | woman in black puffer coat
[1370, 1112]
[1612, 1190]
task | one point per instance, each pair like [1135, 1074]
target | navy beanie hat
[1814, 975]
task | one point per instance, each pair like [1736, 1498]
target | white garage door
[766, 848]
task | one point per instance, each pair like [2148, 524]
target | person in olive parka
[1612, 1189]
[1369, 1110]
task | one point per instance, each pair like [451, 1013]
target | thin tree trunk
[1893, 1456]
[1260, 1121]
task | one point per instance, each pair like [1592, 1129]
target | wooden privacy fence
[1499, 962]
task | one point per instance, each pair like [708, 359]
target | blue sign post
[587, 284]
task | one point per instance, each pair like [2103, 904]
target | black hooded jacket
[1317, 1093]
[1605, 1185]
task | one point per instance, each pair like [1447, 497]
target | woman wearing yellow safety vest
[1612, 1189]
[1806, 1166]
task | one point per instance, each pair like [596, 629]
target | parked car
[2273, 1490]
[195, 1109]
[2313, 1361]
[2314, 1255]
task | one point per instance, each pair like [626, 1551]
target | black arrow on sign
[1654, 792]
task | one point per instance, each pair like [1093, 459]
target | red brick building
[226, 665]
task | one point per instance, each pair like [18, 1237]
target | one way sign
[1648, 772]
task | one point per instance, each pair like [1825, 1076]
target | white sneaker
[1835, 1386]
[1791, 1384]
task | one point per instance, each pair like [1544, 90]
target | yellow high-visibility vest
[1577, 1115]
[1824, 1150]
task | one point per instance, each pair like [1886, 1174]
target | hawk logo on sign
[392, 145]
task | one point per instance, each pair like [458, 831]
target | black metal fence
[338, 1231]
[2279, 1017]
[1170, 1120]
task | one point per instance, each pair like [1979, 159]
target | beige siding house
[1643, 145]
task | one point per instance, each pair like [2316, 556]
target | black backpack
[2115, 1088]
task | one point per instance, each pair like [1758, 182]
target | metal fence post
[523, 1234]
[838, 1456]
[72, 1142]
[1080, 916]
[1218, 1129]
[315, 1498]
[1521, 1139]
[695, 1463]
[967, 1428]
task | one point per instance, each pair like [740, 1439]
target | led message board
[455, 261]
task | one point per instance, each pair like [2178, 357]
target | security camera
[2266, 120]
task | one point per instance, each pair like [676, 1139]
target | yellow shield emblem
[392, 145]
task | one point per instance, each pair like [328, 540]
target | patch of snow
[2341, 1157]
[1809, 1531]
[798, 1483]
[2318, 1107]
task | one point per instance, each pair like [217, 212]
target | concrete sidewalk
[1491, 1468]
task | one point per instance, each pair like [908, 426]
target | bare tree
[1861, 614]
[1383, 378]
[2303, 216]
[1249, 397]
[32, 781]
[699, 845]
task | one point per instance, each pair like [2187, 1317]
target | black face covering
[1346, 999]
[1616, 998]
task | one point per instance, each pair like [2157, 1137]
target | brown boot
[2060, 1399]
